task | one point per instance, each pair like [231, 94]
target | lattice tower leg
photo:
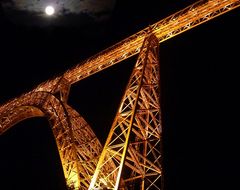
[133, 143]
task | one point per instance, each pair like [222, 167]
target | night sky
[199, 89]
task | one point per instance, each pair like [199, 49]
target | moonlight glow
[49, 10]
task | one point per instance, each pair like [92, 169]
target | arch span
[77, 144]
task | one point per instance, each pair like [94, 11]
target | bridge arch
[77, 144]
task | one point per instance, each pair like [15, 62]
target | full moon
[49, 10]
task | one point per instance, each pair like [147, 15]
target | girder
[177, 23]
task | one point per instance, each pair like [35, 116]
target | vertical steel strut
[133, 143]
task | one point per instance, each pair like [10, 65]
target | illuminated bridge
[131, 156]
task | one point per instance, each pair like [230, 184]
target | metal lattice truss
[177, 23]
[134, 139]
[131, 154]
[77, 144]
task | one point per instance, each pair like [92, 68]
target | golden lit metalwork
[177, 23]
[77, 144]
[135, 134]
[134, 139]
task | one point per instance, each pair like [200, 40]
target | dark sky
[199, 84]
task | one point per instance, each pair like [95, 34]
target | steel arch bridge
[134, 140]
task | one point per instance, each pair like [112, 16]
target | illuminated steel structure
[131, 156]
